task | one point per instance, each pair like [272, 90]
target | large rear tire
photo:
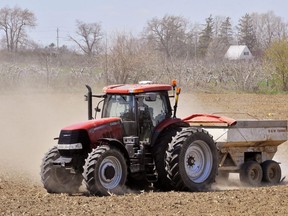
[251, 173]
[159, 152]
[57, 179]
[105, 171]
[191, 160]
[271, 172]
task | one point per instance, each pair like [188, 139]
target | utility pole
[57, 38]
[106, 59]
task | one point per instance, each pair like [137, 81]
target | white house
[237, 52]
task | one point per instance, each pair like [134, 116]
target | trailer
[246, 147]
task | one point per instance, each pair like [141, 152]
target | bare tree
[168, 34]
[129, 59]
[14, 21]
[269, 27]
[89, 37]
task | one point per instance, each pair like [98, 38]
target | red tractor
[137, 141]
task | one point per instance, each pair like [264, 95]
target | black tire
[105, 171]
[192, 160]
[57, 179]
[271, 172]
[251, 173]
[159, 153]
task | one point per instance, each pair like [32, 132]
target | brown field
[30, 121]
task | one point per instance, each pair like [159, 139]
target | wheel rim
[254, 174]
[272, 173]
[198, 161]
[110, 172]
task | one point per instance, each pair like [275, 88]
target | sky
[130, 15]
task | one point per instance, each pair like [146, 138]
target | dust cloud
[29, 122]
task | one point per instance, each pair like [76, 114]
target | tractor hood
[100, 128]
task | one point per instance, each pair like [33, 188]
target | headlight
[73, 146]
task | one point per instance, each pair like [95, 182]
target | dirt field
[29, 122]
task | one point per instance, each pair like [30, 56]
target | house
[237, 52]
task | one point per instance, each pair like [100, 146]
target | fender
[116, 143]
[165, 124]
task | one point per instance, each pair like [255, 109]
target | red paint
[135, 88]
[91, 123]
[164, 124]
[100, 128]
[207, 118]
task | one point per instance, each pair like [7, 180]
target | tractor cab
[141, 107]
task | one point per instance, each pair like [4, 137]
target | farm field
[30, 121]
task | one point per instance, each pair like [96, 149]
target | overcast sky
[131, 15]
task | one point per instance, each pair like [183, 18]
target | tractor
[138, 141]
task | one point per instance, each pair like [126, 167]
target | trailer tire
[191, 160]
[159, 153]
[58, 179]
[271, 172]
[105, 171]
[251, 173]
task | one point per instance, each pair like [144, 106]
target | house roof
[238, 52]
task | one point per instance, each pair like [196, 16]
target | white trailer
[246, 147]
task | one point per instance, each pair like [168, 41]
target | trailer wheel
[191, 160]
[159, 152]
[58, 179]
[105, 171]
[251, 173]
[271, 172]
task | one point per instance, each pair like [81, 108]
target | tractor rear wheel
[251, 173]
[159, 152]
[271, 172]
[58, 179]
[105, 171]
[191, 160]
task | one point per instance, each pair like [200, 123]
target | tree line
[167, 47]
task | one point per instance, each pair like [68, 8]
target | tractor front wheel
[58, 179]
[191, 160]
[105, 171]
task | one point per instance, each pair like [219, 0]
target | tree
[246, 32]
[221, 42]
[168, 35]
[268, 27]
[206, 37]
[277, 55]
[124, 59]
[14, 22]
[90, 35]
[226, 32]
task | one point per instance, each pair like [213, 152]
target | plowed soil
[30, 121]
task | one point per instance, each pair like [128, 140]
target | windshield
[122, 106]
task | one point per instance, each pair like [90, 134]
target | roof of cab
[135, 88]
